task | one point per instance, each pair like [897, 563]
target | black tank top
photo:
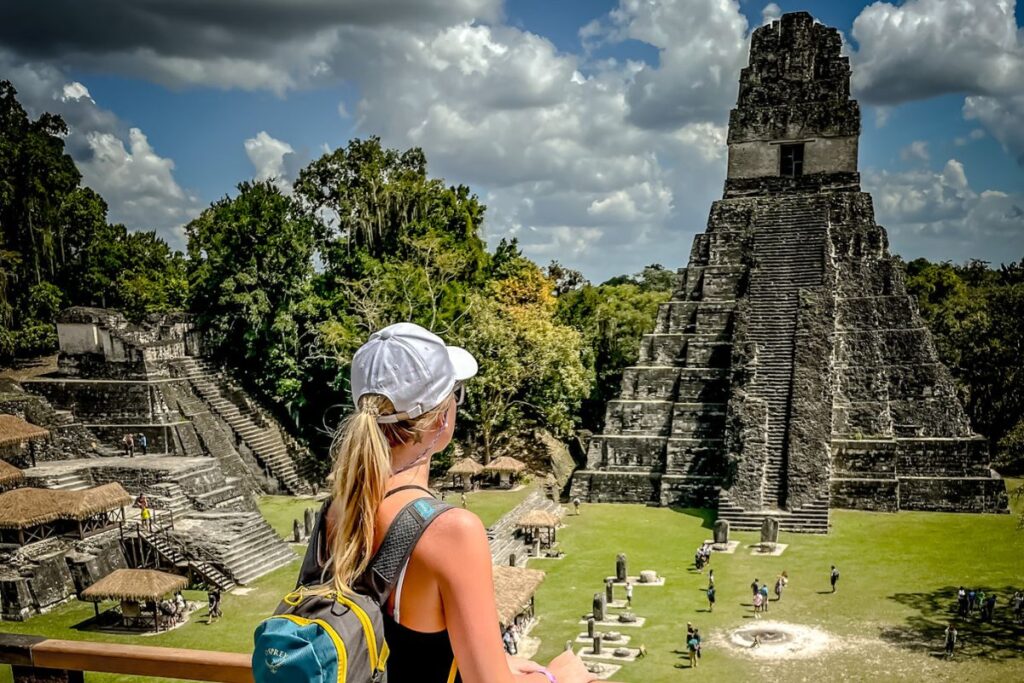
[418, 657]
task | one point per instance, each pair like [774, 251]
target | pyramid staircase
[253, 548]
[269, 444]
[167, 553]
[789, 244]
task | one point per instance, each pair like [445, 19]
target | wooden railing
[35, 659]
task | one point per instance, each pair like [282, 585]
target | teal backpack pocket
[291, 648]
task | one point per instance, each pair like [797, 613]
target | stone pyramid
[791, 373]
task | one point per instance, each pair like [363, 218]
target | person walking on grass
[780, 585]
[764, 597]
[711, 598]
[576, 505]
[711, 578]
[833, 577]
[691, 647]
[950, 639]
[629, 594]
[758, 604]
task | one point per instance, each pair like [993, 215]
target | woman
[441, 621]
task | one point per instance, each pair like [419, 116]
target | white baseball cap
[411, 366]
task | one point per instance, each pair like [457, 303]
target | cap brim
[463, 362]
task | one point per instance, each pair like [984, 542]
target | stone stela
[790, 372]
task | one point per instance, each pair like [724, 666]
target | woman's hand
[568, 668]
[518, 665]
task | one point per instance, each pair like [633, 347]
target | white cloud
[770, 13]
[137, 183]
[924, 48]
[702, 46]
[1003, 117]
[119, 163]
[975, 134]
[267, 155]
[75, 91]
[936, 214]
[915, 151]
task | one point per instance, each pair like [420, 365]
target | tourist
[972, 598]
[145, 514]
[576, 504]
[758, 604]
[214, 612]
[691, 647]
[1017, 606]
[629, 594]
[464, 502]
[711, 598]
[755, 587]
[711, 578]
[696, 636]
[780, 585]
[143, 443]
[833, 577]
[180, 606]
[129, 445]
[950, 639]
[979, 602]
[961, 602]
[988, 608]
[764, 597]
[407, 386]
[510, 643]
[641, 651]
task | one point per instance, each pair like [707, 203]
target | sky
[593, 130]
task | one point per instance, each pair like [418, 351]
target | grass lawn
[281, 511]
[490, 505]
[899, 576]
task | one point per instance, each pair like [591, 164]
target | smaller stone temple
[138, 452]
[791, 372]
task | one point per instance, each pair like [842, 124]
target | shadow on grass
[707, 516]
[924, 632]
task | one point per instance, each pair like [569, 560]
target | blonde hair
[362, 466]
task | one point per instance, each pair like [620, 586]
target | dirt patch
[779, 640]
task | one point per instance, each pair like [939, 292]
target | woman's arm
[456, 549]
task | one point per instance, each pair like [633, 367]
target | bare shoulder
[455, 531]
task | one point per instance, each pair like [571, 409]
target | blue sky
[594, 130]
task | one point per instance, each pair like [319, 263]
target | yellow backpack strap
[454, 672]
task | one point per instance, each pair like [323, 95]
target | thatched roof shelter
[513, 589]
[84, 504]
[136, 585]
[538, 519]
[467, 467]
[28, 507]
[9, 474]
[14, 430]
[505, 464]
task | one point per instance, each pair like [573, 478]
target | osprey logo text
[274, 658]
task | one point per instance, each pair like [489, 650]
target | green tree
[249, 269]
[531, 367]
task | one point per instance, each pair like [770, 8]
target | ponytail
[362, 467]
[362, 458]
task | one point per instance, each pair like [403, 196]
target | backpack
[319, 636]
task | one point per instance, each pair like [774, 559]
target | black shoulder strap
[311, 573]
[394, 552]
[382, 575]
